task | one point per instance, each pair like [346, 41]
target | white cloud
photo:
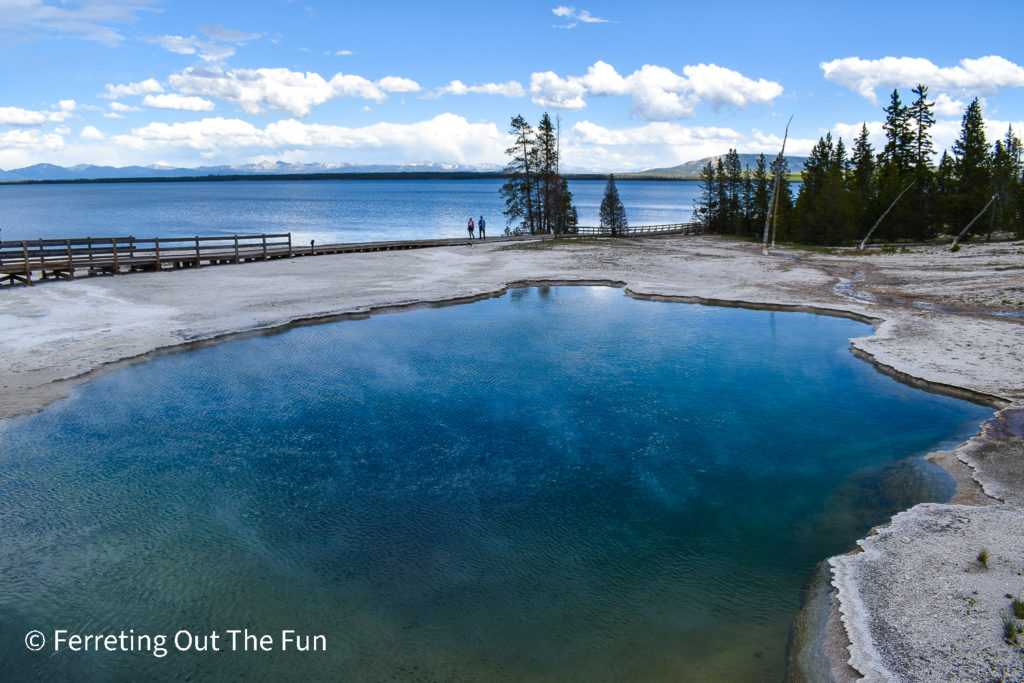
[86, 19]
[122, 108]
[575, 16]
[589, 145]
[972, 77]
[658, 144]
[254, 90]
[181, 102]
[396, 84]
[177, 44]
[721, 86]
[226, 35]
[150, 85]
[457, 87]
[90, 133]
[343, 53]
[946, 106]
[658, 93]
[446, 137]
[208, 50]
[15, 116]
[551, 90]
[32, 141]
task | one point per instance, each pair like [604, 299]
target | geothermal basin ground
[912, 602]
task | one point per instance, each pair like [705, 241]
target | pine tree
[971, 170]
[747, 203]
[536, 194]
[899, 136]
[945, 188]
[548, 184]
[895, 165]
[519, 191]
[823, 214]
[861, 182]
[566, 218]
[762, 195]
[782, 217]
[918, 215]
[733, 181]
[613, 214]
[706, 210]
[1007, 164]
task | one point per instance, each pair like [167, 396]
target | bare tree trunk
[880, 218]
[991, 221]
[963, 232]
[773, 204]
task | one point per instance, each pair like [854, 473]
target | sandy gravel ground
[941, 322]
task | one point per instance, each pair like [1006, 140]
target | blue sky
[635, 85]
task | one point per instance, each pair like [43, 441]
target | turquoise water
[557, 484]
[325, 211]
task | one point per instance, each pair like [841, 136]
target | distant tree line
[537, 196]
[843, 195]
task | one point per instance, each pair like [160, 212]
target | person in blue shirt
[480, 227]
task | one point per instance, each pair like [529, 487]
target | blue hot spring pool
[557, 484]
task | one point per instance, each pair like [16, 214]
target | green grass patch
[540, 245]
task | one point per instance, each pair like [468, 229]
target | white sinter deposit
[915, 603]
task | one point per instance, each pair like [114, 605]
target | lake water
[557, 484]
[326, 211]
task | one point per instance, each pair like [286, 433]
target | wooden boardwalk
[26, 261]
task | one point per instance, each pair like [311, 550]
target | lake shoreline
[60, 334]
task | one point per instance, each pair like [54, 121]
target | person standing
[470, 227]
[480, 225]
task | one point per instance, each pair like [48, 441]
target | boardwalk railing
[43, 259]
[62, 258]
[666, 229]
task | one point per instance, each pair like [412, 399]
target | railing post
[264, 246]
[28, 268]
[113, 246]
[289, 245]
[198, 264]
[236, 248]
[156, 242]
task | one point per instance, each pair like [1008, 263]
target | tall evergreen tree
[822, 213]
[535, 193]
[861, 182]
[733, 183]
[613, 213]
[1007, 165]
[760, 197]
[945, 190]
[895, 164]
[706, 209]
[919, 215]
[566, 218]
[971, 170]
[519, 191]
[548, 183]
[782, 214]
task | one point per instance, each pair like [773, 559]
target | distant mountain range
[90, 172]
[692, 168]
